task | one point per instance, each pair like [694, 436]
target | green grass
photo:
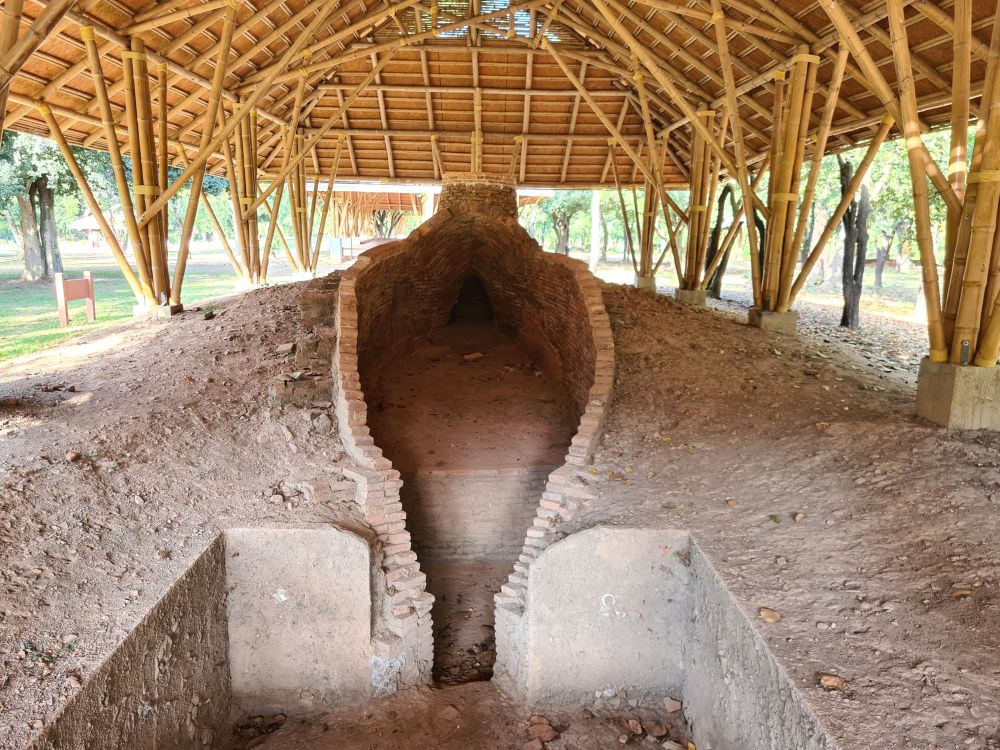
[29, 320]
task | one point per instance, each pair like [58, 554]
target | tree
[855, 223]
[726, 195]
[32, 173]
[560, 210]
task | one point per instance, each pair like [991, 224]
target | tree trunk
[714, 285]
[562, 237]
[882, 256]
[15, 233]
[47, 225]
[855, 224]
[34, 259]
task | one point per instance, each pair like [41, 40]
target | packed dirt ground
[796, 463]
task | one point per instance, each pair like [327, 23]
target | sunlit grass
[29, 320]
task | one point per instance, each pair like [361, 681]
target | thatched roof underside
[494, 76]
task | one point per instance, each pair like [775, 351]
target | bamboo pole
[55, 132]
[916, 154]
[960, 84]
[8, 37]
[206, 204]
[28, 42]
[135, 155]
[983, 200]
[819, 149]
[790, 252]
[117, 163]
[326, 203]
[740, 171]
[893, 105]
[145, 163]
[196, 168]
[838, 214]
[629, 240]
[177, 15]
[206, 149]
[163, 145]
[287, 168]
[959, 253]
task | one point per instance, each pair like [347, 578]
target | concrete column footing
[775, 322]
[695, 297]
[647, 283]
[155, 312]
[960, 397]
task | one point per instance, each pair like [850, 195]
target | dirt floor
[472, 716]
[441, 407]
[796, 463]
[463, 616]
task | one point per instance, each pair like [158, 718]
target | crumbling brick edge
[408, 603]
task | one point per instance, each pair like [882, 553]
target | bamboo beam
[325, 129]
[178, 15]
[198, 162]
[14, 58]
[893, 105]
[8, 38]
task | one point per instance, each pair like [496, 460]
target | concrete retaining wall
[617, 614]
[167, 685]
[300, 619]
[471, 512]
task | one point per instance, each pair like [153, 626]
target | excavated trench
[474, 425]
[477, 367]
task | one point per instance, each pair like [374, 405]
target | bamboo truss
[283, 97]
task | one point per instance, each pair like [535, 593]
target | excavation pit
[268, 640]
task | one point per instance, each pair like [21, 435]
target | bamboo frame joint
[87, 33]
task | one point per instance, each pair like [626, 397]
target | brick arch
[414, 284]
[393, 293]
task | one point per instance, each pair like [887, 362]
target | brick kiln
[469, 295]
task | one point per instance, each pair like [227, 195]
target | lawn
[29, 320]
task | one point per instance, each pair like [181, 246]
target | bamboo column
[703, 167]
[117, 164]
[8, 36]
[196, 169]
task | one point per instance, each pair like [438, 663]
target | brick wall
[478, 513]
[550, 303]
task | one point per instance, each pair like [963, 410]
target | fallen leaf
[775, 518]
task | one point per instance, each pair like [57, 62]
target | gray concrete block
[300, 618]
[694, 297]
[959, 397]
[775, 322]
[607, 608]
[647, 283]
[166, 685]
[155, 312]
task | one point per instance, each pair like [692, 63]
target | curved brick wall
[550, 304]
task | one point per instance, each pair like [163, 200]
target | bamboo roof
[462, 80]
